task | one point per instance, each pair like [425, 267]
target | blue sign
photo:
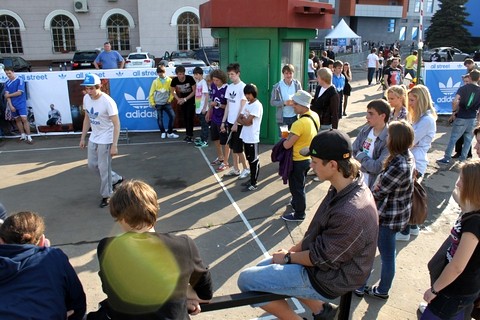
[443, 80]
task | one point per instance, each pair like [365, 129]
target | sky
[474, 17]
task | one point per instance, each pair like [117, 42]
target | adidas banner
[443, 80]
[128, 87]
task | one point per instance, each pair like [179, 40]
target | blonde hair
[398, 90]
[325, 74]
[470, 172]
[135, 202]
[424, 103]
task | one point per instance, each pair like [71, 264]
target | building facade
[53, 30]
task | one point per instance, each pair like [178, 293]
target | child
[201, 106]
[251, 118]
[338, 81]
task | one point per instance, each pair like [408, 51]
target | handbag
[419, 212]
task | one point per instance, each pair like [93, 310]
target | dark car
[84, 59]
[18, 63]
[210, 55]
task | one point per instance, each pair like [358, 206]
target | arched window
[10, 39]
[188, 31]
[63, 34]
[118, 32]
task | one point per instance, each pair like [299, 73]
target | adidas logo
[62, 76]
[140, 101]
[3, 78]
[119, 73]
[92, 114]
[449, 88]
[233, 95]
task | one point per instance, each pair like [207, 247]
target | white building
[52, 30]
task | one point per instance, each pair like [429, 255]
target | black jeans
[296, 184]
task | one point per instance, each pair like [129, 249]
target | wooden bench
[249, 298]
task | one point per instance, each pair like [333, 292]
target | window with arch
[118, 32]
[10, 39]
[188, 31]
[63, 34]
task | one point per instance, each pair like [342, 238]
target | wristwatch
[287, 258]
[433, 291]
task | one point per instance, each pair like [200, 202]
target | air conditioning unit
[80, 5]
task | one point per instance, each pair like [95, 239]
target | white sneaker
[232, 173]
[29, 140]
[422, 306]
[245, 173]
[163, 135]
[402, 237]
[172, 135]
[414, 232]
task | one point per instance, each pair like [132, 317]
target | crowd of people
[370, 186]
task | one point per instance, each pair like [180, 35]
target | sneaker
[201, 144]
[198, 139]
[105, 202]
[232, 173]
[414, 232]
[29, 140]
[188, 139]
[456, 155]
[291, 217]
[402, 237]
[116, 184]
[163, 135]
[328, 313]
[23, 137]
[245, 173]
[250, 188]
[373, 292]
[360, 292]
[443, 161]
[172, 135]
[422, 306]
[216, 161]
[222, 167]
[344, 114]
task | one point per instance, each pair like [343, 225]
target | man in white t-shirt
[101, 114]
[235, 102]
[372, 65]
[370, 146]
[251, 119]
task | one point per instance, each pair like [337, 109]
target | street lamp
[419, 63]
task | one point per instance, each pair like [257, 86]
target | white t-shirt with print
[251, 134]
[200, 92]
[234, 95]
[99, 112]
[367, 147]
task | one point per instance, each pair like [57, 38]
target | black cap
[329, 145]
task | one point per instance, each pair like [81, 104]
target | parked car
[18, 63]
[456, 54]
[184, 58]
[83, 59]
[210, 55]
[140, 60]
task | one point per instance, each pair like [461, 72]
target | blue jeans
[387, 247]
[461, 127]
[296, 184]
[204, 126]
[167, 108]
[287, 279]
[371, 72]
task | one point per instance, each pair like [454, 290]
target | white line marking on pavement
[298, 305]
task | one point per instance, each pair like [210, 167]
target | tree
[448, 25]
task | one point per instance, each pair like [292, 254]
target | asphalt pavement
[233, 229]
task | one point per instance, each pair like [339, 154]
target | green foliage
[448, 25]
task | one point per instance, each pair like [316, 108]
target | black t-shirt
[184, 88]
[468, 281]
[469, 101]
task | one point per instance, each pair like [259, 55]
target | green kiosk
[262, 36]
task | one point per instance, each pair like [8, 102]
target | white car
[140, 60]
[184, 58]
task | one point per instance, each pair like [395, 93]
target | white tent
[343, 39]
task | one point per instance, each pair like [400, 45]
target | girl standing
[397, 98]
[347, 89]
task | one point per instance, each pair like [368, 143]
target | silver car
[444, 52]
